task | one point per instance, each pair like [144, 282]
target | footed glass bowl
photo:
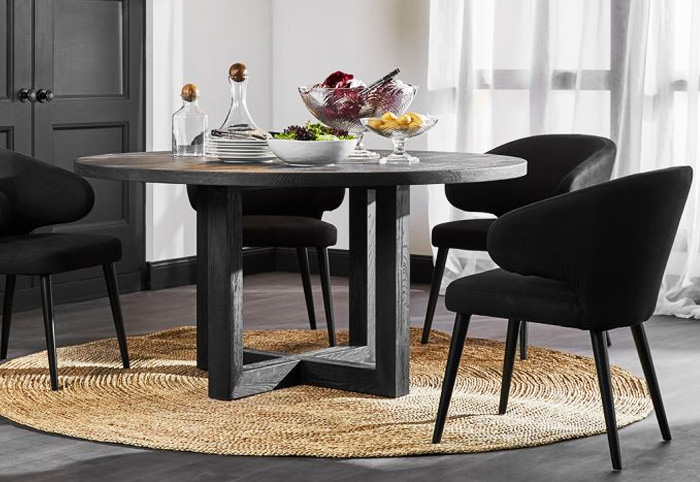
[398, 133]
[344, 108]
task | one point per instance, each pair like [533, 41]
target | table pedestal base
[376, 362]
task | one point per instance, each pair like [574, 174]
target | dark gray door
[90, 55]
[15, 74]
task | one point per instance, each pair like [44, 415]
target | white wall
[190, 43]
[284, 44]
[165, 233]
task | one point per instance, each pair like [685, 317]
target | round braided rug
[161, 402]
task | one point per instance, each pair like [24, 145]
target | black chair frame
[35, 194]
[47, 304]
[570, 253]
[557, 163]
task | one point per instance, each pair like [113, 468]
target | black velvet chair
[556, 164]
[291, 217]
[593, 260]
[34, 194]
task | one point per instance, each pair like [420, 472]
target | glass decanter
[238, 123]
[189, 125]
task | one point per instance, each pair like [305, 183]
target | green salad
[314, 132]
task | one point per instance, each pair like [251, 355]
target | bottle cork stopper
[189, 92]
[238, 72]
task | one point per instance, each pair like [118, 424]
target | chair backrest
[556, 163]
[287, 201]
[610, 242]
[35, 194]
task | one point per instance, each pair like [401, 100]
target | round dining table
[376, 359]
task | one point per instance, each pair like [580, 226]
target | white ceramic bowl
[311, 153]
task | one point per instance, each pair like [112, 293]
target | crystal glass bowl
[398, 134]
[344, 108]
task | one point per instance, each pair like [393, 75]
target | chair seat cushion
[502, 294]
[469, 234]
[287, 231]
[38, 254]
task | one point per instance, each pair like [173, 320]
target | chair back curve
[286, 201]
[609, 242]
[34, 193]
[556, 163]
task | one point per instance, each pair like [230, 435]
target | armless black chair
[35, 194]
[556, 164]
[291, 217]
[593, 260]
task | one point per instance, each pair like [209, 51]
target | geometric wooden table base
[376, 362]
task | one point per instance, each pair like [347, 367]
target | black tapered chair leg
[523, 340]
[514, 327]
[600, 352]
[640, 340]
[303, 255]
[113, 291]
[10, 281]
[323, 267]
[459, 334]
[47, 306]
[434, 292]
[608, 340]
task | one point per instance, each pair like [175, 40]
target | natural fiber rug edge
[179, 341]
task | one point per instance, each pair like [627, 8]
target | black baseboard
[170, 273]
[29, 297]
[286, 260]
[183, 271]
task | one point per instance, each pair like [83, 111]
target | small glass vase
[190, 125]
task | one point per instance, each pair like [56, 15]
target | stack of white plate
[239, 150]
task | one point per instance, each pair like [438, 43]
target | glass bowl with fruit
[312, 145]
[341, 101]
[398, 129]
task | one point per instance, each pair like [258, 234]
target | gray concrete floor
[275, 300]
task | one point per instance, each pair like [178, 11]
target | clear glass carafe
[190, 125]
[238, 123]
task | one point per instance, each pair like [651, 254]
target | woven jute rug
[161, 402]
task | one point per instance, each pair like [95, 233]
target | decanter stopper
[238, 72]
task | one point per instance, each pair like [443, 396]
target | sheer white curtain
[625, 69]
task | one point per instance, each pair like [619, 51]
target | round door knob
[27, 95]
[44, 95]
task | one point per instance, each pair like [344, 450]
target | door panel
[6, 136]
[91, 54]
[16, 30]
[89, 45]
[15, 73]
[76, 141]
